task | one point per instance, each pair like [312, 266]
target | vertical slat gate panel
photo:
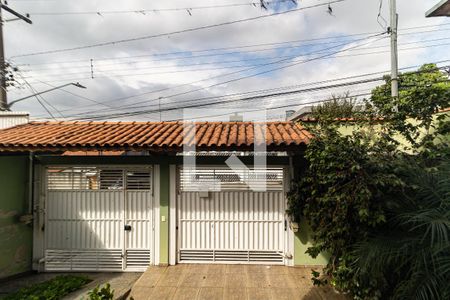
[240, 226]
[85, 210]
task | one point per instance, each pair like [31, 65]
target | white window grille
[98, 178]
[223, 178]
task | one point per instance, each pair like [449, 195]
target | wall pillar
[164, 196]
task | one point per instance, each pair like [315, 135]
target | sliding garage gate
[98, 219]
[228, 222]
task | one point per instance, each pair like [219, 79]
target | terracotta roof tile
[114, 136]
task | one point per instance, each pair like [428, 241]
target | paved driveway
[211, 282]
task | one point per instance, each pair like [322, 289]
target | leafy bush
[352, 183]
[414, 250]
[52, 289]
[341, 196]
[104, 293]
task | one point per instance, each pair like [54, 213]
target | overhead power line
[188, 53]
[265, 91]
[281, 61]
[107, 73]
[99, 66]
[244, 99]
[209, 104]
[174, 32]
[270, 95]
[323, 100]
[145, 11]
[222, 68]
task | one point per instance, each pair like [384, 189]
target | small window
[138, 180]
[94, 178]
[223, 178]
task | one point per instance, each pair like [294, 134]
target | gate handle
[127, 227]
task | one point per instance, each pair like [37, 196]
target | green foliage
[339, 106]
[421, 94]
[352, 182]
[104, 293]
[344, 176]
[414, 250]
[52, 289]
[341, 196]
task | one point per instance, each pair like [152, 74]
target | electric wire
[234, 47]
[116, 42]
[237, 100]
[105, 73]
[157, 10]
[275, 89]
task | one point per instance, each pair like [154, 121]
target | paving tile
[177, 269]
[193, 280]
[299, 271]
[140, 293]
[277, 270]
[214, 280]
[170, 280]
[236, 280]
[148, 280]
[156, 270]
[231, 269]
[186, 293]
[208, 293]
[256, 268]
[198, 269]
[216, 269]
[235, 294]
[230, 282]
[284, 293]
[162, 293]
[257, 280]
[313, 294]
[282, 281]
[259, 294]
[327, 292]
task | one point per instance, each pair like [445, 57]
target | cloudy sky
[137, 57]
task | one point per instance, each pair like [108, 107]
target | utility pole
[394, 51]
[3, 98]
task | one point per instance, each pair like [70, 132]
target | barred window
[97, 178]
[223, 178]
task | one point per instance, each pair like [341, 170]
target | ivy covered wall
[15, 236]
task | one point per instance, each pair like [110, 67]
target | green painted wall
[164, 213]
[302, 241]
[348, 128]
[15, 237]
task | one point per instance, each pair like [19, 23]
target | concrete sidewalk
[211, 282]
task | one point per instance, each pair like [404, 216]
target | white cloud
[115, 79]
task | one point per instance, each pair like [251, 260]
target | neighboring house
[441, 9]
[13, 118]
[306, 112]
[302, 113]
[115, 196]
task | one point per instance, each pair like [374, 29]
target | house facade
[120, 196]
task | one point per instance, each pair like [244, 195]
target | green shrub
[104, 293]
[362, 194]
[52, 289]
[414, 250]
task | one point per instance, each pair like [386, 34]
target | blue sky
[196, 73]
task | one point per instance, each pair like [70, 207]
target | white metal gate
[98, 218]
[230, 223]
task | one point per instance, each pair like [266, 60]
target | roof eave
[441, 9]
